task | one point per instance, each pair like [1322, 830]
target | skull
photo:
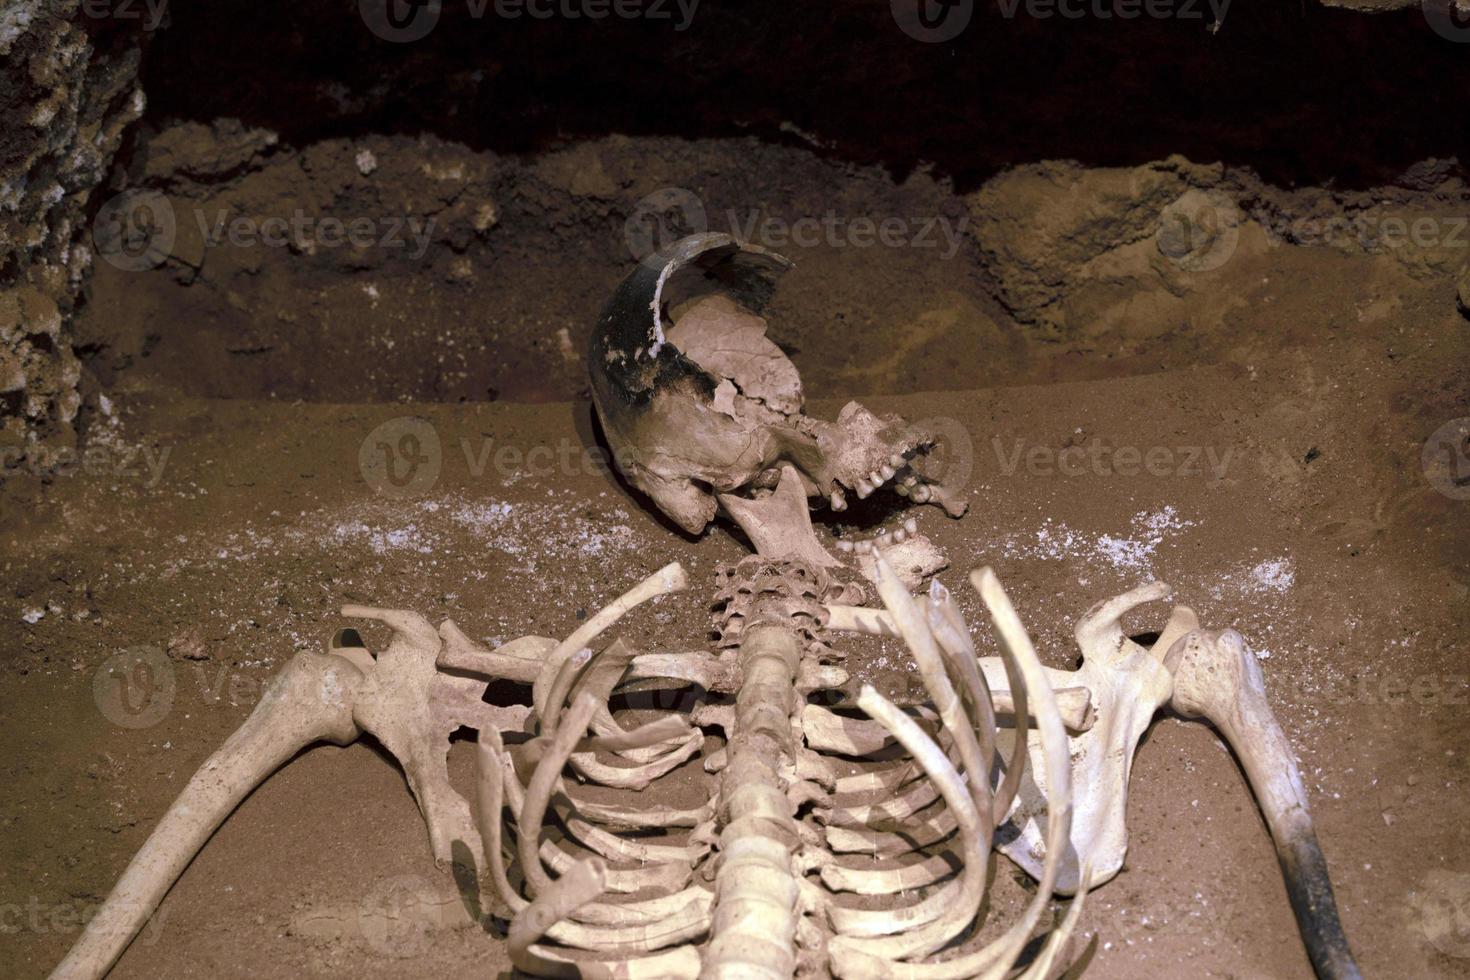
[696, 401]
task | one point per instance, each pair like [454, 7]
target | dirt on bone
[731, 344]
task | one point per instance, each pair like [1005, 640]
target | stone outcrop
[70, 83]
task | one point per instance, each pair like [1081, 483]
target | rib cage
[755, 883]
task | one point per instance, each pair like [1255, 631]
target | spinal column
[772, 608]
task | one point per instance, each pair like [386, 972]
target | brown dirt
[1320, 373]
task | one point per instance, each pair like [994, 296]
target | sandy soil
[219, 536]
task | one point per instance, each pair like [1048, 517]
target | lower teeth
[909, 529]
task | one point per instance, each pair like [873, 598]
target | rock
[1040, 226]
[188, 645]
[195, 151]
[1464, 290]
[71, 90]
[578, 171]
[1427, 175]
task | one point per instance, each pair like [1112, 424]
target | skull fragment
[695, 400]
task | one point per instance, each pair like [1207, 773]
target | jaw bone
[912, 555]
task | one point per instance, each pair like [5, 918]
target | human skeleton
[831, 814]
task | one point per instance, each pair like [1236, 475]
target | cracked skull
[695, 400]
